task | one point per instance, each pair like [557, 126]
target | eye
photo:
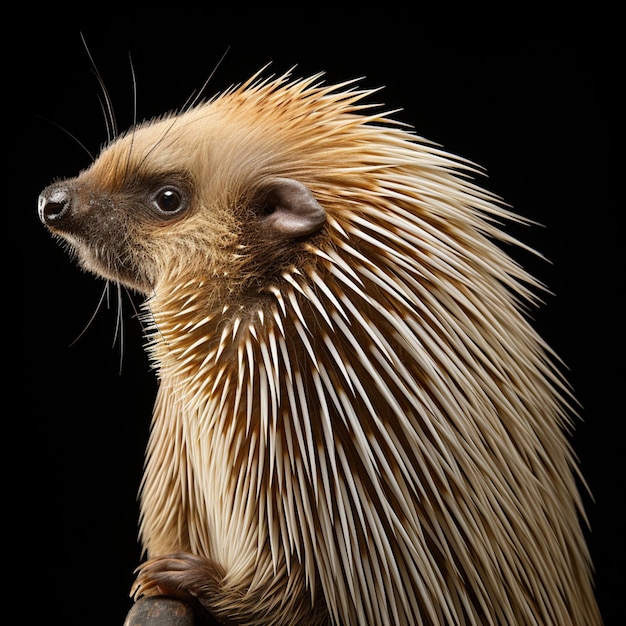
[169, 200]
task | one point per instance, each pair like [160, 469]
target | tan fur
[355, 427]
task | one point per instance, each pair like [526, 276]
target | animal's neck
[232, 391]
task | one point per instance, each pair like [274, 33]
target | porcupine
[356, 422]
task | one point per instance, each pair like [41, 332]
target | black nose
[54, 204]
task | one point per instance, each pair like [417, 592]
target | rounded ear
[289, 210]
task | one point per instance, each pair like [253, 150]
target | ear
[289, 210]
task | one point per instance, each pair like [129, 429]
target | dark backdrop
[532, 99]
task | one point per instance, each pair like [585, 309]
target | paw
[184, 576]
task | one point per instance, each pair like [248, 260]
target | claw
[183, 576]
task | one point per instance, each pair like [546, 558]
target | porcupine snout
[55, 204]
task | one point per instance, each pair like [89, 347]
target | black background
[533, 99]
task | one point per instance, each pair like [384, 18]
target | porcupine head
[355, 422]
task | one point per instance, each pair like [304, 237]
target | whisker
[93, 315]
[134, 79]
[118, 335]
[69, 133]
[195, 97]
[119, 325]
[107, 105]
[134, 126]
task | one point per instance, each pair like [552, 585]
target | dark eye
[169, 200]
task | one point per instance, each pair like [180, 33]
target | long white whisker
[93, 315]
[195, 98]
[119, 325]
[107, 105]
